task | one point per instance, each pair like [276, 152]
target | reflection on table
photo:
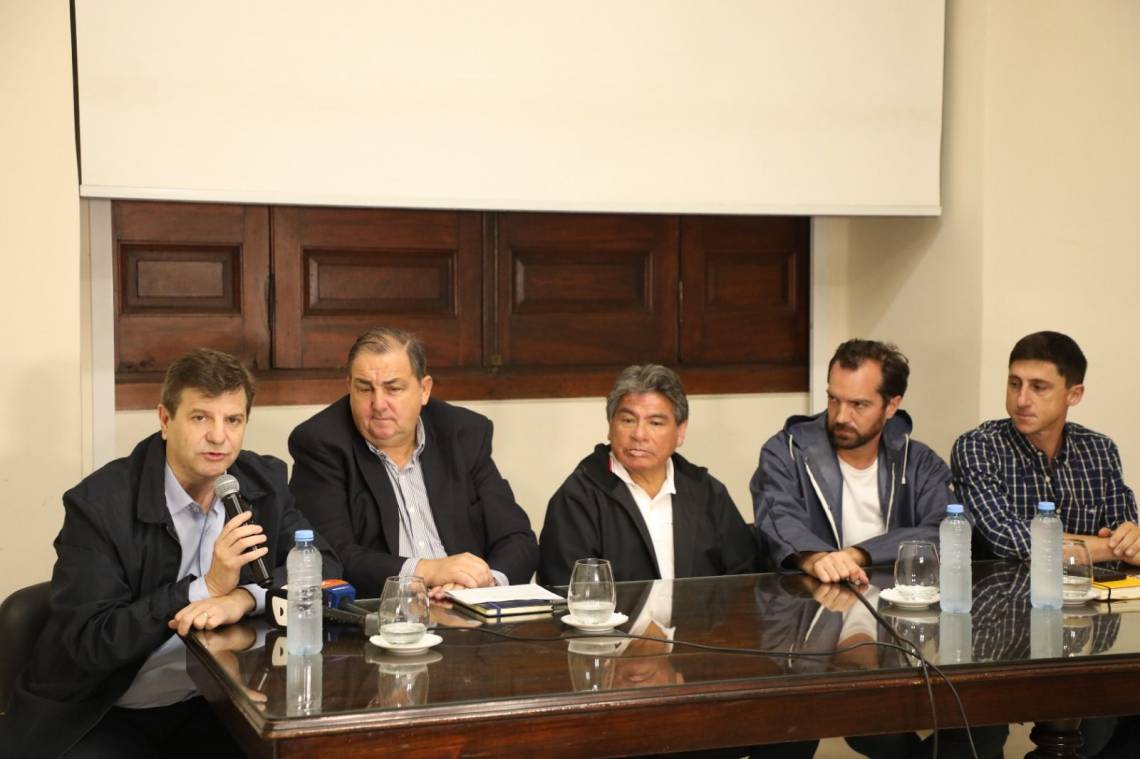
[808, 636]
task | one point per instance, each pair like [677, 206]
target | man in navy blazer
[401, 484]
[147, 554]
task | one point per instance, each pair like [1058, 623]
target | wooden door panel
[586, 289]
[189, 275]
[746, 287]
[338, 272]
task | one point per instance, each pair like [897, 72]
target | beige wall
[918, 282]
[1062, 226]
[1040, 223]
[40, 435]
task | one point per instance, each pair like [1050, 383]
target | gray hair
[386, 339]
[649, 378]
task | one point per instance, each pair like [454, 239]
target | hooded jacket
[797, 491]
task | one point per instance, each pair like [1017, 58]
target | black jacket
[114, 589]
[344, 490]
[594, 515]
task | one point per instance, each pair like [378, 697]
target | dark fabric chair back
[22, 617]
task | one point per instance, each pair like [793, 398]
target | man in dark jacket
[145, 552]
[839, 491]
[402, 485]
[638, 503]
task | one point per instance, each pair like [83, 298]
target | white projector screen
[727, 106]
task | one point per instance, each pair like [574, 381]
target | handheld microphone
[226, 488]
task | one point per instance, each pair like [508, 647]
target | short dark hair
[896, 369]
[213, 372]
[649, 378]
[384, 340]
[1055, 348]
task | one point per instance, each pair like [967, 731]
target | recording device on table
[340, 606]
[227, 489]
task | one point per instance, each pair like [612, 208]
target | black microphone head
[226, 485]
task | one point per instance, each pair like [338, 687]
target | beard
[852, 438]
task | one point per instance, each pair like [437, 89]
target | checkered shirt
[1001, 477]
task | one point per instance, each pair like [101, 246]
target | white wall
[41, 440]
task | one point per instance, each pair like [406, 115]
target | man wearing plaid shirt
[1003, 468]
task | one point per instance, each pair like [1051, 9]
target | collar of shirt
[421, 441]
[178, 500]
[668, 488]
[1032, 453]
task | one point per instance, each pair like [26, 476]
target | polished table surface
[562, 692]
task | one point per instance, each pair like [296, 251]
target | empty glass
[403, 610]
[591, 598]
[916, 571]
[1076, 571]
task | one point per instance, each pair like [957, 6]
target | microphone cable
[926, 666]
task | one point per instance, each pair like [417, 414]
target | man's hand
[213, 612]
[1123, 542]
[463, 570]
[229, 558]
[834, 597]
[833, 566]
[223, 644]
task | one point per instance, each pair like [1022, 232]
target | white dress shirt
[656, 511]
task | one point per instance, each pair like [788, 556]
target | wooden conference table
[482, 694]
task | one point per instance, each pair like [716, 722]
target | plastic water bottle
[955, 638]
[955, 579]
[1045, 581]
[304, 685]
[1046, 629]
[304, 572]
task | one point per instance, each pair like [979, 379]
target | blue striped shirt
[419, 537]
[1000, 478]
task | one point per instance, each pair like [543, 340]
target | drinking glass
[591, 597]
[1076, 570]
[916, 571]
[403, 610]
[400, 685]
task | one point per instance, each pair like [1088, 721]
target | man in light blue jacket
[839, 491]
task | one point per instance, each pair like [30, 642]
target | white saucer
[922, 614]
[893, 597]
[1081, 600]
[595, 646]
[407, 649]
[400, 664]
[617, 618]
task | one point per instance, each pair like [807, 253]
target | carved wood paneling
[338, 272]
[745, 290]
[510, 305]
[188, 275]
[585, 289]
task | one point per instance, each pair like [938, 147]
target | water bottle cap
[303, 535]
[955, 508]
[1046, 506]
